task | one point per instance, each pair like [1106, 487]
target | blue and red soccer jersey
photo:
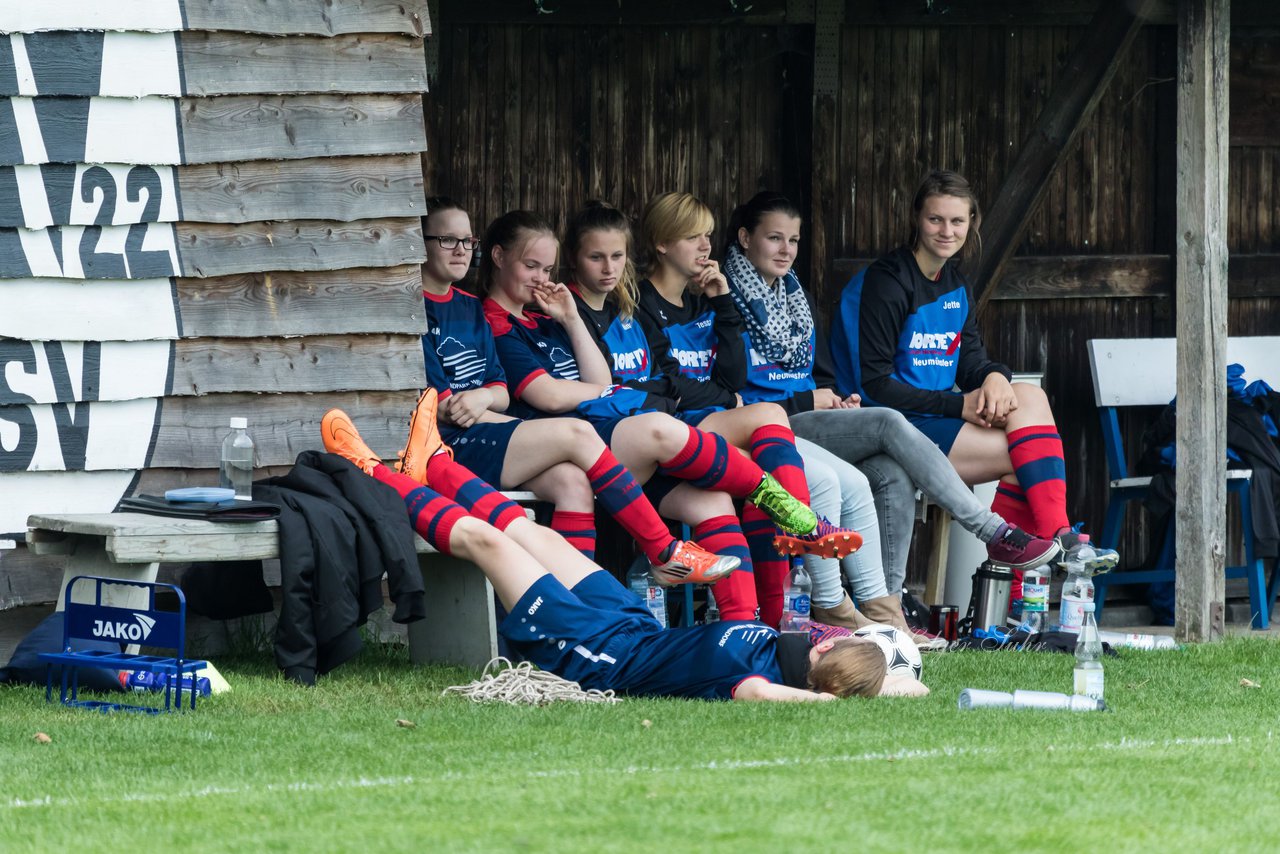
[458, 348]
[529, 348]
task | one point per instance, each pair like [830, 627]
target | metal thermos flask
[991, 585]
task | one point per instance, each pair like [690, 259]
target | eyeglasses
[447, 242]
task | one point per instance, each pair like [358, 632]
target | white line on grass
[713, 765]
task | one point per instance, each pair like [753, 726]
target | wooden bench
[1143, 372]
[460, 626]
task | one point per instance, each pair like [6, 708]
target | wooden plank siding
[206, 249]
[338, 188]
[208, 209]
[668, 101]
[212, 63]
[249, 305]
[278, 17]
[652, 109]
[1094, 261]
[207, 130]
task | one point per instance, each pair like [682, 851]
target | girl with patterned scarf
[789, 365]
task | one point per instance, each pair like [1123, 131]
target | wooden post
[1204, 31]
[828, 18]
[1075, 93]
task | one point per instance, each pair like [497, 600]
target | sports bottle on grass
[1088, 672]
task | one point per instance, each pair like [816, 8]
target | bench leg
[460, 627]
[89, 557]
[935, 584]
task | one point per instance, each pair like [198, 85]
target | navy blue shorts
[482, 447]
[581, 634]
[941, 429]
[694, 417]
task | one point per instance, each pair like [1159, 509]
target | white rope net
[522, 685]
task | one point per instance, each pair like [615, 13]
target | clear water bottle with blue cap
[796, 606]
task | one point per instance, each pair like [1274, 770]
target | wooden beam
[1019, 13]
[282, 425]
[245, 127]
[279, 17]
[312, 364]
[168, 131]
[361, 300]
[132, 64]
[824, 190]
[265, 305]
[341, 188]
[335, 188]
[1034, 277]
[613, 13]
[127, 371]
[1075, 94]
[217, 250]
[207, 249]
[1204, 32]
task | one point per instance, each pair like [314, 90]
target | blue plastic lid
[200, 493]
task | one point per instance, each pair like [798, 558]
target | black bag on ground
[25, 666]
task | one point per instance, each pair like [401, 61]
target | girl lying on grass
[569, 616]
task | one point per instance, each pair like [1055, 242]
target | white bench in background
[1143, 372]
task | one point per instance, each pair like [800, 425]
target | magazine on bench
[232, 510]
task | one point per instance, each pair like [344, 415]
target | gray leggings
[897, 459]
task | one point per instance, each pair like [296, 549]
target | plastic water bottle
[237, 460]
[1134, 640]
[1035, 600]
[796, 605]
[1088, 672]
[145, 680]
[1077, 590]
[712, 614]
[641, 583]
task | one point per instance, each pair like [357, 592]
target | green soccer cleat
[787, 512]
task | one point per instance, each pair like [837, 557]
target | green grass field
[1188, 761]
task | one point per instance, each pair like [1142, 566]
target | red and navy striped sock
[1036, 453]
[432, 515]
[1011, 505]
[771, 568]
[708, 462]
[457, 482]
[735, 593]
[624, 500]
[773, 447]
[578, 529]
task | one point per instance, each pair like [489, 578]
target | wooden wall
[544, 109]
[578, 107]
[206, 210]
[1095, 261]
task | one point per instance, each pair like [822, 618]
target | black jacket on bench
[340, 530]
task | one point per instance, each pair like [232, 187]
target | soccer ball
[900, 651]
